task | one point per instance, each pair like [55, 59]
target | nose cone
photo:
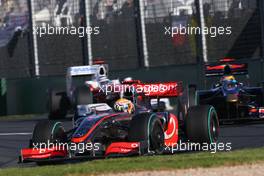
[231, 98]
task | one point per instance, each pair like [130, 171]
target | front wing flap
[34, 154]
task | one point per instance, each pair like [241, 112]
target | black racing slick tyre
[83, 96]
[58, 104]
[147, 127]
[47, 132]
[181, 115]
[179, 111]
[202, 125]
[192, 98]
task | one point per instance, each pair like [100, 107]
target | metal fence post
[202, 23]
[201, 45]
[88, 38]
[143, 33]
[261, 12]
[33, 37]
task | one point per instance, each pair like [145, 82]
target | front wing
[54, 154]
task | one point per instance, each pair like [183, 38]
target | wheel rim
[157, 138]
[58, 134]
[214, 127]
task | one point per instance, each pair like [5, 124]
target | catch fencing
[126, 34]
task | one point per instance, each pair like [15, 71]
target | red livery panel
[31, 153]
[122, 148]
[168, 89]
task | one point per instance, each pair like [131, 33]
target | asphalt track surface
[15, 135]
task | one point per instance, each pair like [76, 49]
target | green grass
[164, 162]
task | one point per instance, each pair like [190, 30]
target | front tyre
[202, 125]
[147, 127]
[47, 132]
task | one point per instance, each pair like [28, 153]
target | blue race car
[233, 100]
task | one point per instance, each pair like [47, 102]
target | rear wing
[159, 90]
[219, 69]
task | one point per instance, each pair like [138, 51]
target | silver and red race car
[101, 130]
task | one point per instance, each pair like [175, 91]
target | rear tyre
[192, 98]
[202, 125]
[58, 105]
[180, 112]
[147, 127]
[83, 96]
[181, 115]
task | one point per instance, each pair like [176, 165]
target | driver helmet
[229, 82]
[124, 105]
[127, 79]
[229, 78]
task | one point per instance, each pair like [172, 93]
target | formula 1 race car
[130, 126]
[78, 80]
[233, 101]
[85, 85]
